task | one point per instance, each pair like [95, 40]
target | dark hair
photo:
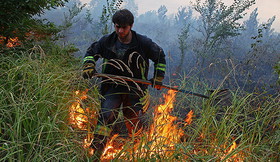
[123, 17]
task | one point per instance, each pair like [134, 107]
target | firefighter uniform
[130, 60]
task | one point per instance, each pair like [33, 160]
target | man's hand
[88, 70]
[157, 82]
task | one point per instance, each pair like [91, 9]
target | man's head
[123, 18]
[123, 21]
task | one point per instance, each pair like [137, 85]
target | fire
[78, 115]
[113, 147]
[235, 157]
[232, 147]
[82, 117]
[30, 36]
[12, 42]
[164, 132]
[189, 117]
[162, 135]
[160, 139]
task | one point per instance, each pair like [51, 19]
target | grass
[37, 87]
[34, 89]
[251, 123]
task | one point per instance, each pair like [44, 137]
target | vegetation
[37, 90]
[38, 85]
[218, 23]
[35, 87]
[17, 17]
[211, 36]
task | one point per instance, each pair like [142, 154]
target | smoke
[243, 59]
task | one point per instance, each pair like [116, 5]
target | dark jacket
[135, 62]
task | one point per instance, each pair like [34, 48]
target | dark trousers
[115, 101]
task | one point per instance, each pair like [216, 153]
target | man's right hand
[156, 82]
[88, 70]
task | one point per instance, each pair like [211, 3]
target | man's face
[122, 31]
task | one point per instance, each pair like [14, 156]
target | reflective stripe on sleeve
[161, 67]
[89, 58]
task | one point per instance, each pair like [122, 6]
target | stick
[150, 83]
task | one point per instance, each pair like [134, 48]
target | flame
[162, 136]
[82, 117]
[12, 42]
[112, 149]
[220, 152]
[232, 147]
[16, 41]
[235, 157]
[78, 117]
[189, 117]
[164, 132]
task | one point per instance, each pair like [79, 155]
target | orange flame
[31, 36]
[189, 117]
[78, 117]
[221, 152]
[163, 131]
[82, 117]
[12, 42]
[235, 157]
[232, 147]
[111, 149]
[163, 134]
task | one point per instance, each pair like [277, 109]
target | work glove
[88, 70]
[156, 82]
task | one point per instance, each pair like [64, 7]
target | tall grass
[35, 88]
[36, 91]
[251, 121]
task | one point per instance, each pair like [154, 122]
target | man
[124, 53]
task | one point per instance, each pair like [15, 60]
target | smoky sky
[266, 8]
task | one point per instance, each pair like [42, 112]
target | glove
[88, 70]
[156, 82]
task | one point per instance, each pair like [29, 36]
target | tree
[183, 17]
[277, 70]
[71, 18]
[17, 17]
[162, 12]
[251, 25]
[108, 11]
[131, 6]
[218, 22]
[248, 36]
[183, 21]
[268, 26]
[182, 40]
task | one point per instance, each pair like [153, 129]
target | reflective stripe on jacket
[135, 62]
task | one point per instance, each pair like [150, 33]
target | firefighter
[124, 53]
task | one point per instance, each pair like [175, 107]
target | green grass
[37, 88]
[34, 93]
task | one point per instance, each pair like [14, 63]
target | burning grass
[34, 105]
[203, 138]
[11, 42]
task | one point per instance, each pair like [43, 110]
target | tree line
[210, 40]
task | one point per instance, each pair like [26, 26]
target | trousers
[128, 102]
